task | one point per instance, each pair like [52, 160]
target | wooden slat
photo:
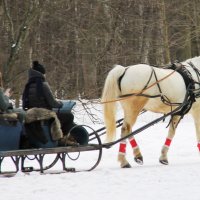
[68, 149]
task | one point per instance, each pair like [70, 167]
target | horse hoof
[127, 166]
[139, 160]
[164, 162]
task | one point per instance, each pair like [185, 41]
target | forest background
[79, 41]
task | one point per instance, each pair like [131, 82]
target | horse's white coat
[134, 81]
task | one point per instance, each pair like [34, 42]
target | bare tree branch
[31, 14]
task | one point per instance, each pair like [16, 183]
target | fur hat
[38, 67]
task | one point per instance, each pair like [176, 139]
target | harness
[120, 79]
[190, 87]
[189, 83]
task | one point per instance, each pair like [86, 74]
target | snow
[152, 180]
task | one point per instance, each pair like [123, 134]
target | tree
[79, 41]
[17, 37]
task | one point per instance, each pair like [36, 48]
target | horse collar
[190, 86]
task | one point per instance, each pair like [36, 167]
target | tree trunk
[17, 41]
[196, 5]
[146, 34]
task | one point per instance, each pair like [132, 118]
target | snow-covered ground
[180, 180]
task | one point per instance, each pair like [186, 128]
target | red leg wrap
[122, 148]
[198, 145]
[168, 142]
[133, 143]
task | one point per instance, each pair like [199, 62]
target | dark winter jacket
[37, 93]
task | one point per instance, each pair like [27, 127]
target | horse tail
[110, 92]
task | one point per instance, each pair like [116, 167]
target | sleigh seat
[10, 134]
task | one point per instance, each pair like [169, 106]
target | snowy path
[180, 180]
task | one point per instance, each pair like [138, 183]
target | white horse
[151, 81]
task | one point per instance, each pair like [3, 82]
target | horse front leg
[196, 117]
[197, 125]
[171, 132]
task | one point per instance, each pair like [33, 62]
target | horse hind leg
[136, 151]
[122, 155]
[171, 132]
[126, 129]
[122, 146]
[131, 114]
